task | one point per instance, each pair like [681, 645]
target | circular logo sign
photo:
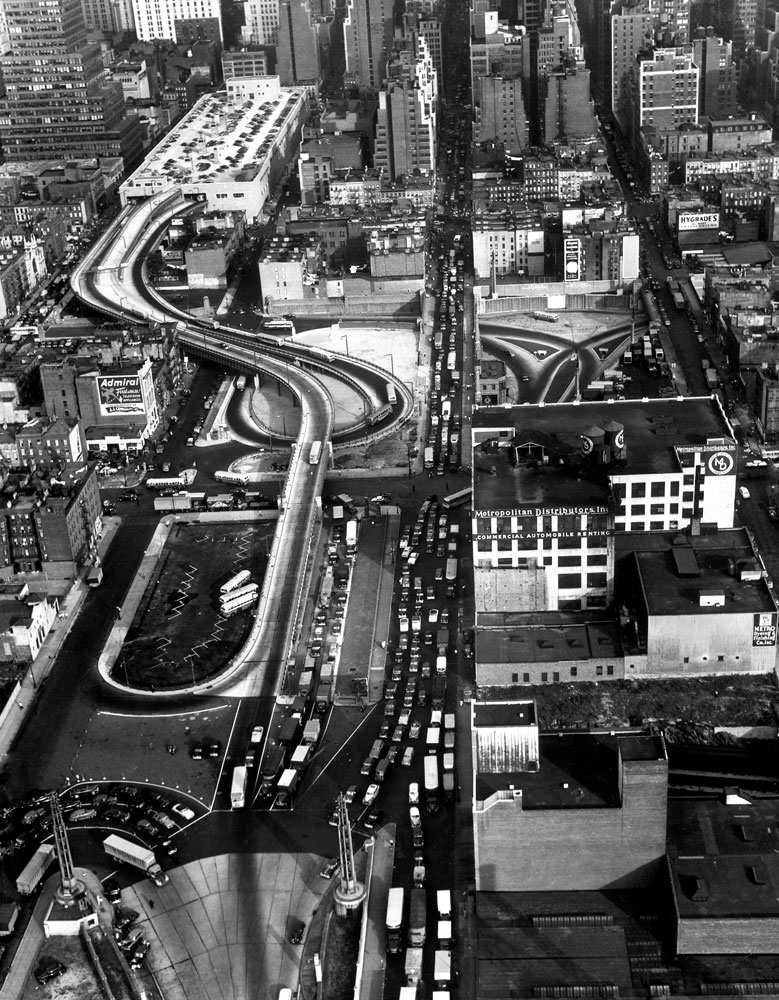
[572, 267]
[586, 445]
[720, 463]
[619, 440]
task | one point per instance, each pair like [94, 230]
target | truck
[395, 904]
[290, 731]
[429, 458]
[351, 537]
[94, 576]
[712, 378]
[678, 298]
[311, 732]
[300, 757]
[326, 590]
[338, 512]
[33, 871]
[447, 783]
[288, 782]
[442, 641]
[431, 783]
[443, 899]
[323, 695]
[439, 691]
[238, 787]
[449, 721]
[305, 683]
[440, 665]
[442, 969]
[444, 933]
[326, 672]
[272, 763]
[417, 918]
[179, 501]
[413, 966]
[135, 854]
[432, 739]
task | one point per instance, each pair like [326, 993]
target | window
[544, 677]
[599, 671]
[686, 659]
[720, 658]
[658, 490]
[569, 561]
[556, 676]
[638, 508]
[569, 581]
[574, 671]
[596, 580]
[515, 678]
[610, 669]
[526, 678]
[639, 490]
[597, 559]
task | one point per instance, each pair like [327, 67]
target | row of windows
[574, 673]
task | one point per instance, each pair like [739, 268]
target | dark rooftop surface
[554, 433]
[528, 640]
[716, 851]
[519, 713]
[673, 576]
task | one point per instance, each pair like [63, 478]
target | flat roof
[221, 140]
[528, 641]
[652, 428]
[722, 858]
[503, 713]
[669, 585]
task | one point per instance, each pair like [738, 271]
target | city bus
[458, 499]
[238, 478]
[379, 414]
[391, 396]
[451, 570]
[315, 453]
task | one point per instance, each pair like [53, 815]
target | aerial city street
[390, 400]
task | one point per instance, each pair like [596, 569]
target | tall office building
[57, 101]
[718, 92]
[501, 116]
[261, 25]
[158, 20]
[303, 44]
[405, 122]
[367, 41]
[632, 29]
[568, 108]
[664, 90]
[108, 15]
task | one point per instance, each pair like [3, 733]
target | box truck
[288, 782]
[417, 918]
[431, 783]
[34, 869]
[238, 787]
[442, 969]
[395, 903]
[444, 903]
[272, 763]
[413, 966]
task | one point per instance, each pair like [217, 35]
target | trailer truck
[417, 918]
[272, 763]
[395, 902]
[431, 783]
[429, 457]
[439, 691]
[238, 787]
[442, 970]
[351, 537]
[33, 871]
[288, 782]
[712, 378]
[413, 966]
[135, 854]
[442, 641]
[290, 730]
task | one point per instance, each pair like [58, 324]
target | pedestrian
[447, 485]
[151, 904]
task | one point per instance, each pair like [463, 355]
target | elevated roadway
[111, 280]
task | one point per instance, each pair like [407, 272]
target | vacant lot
[178, 635]
[718, 701]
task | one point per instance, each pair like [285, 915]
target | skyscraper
[303, 43]
[367, 40]
[158, 20]
[57, 101]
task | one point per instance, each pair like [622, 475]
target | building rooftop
[575, 771]
[222, 139]
[532, 638]
[674, 570]
[723, 859]
[500, 713]
[549, 440]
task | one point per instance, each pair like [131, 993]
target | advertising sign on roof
[120, 394]
[764, 629]
[698, 220]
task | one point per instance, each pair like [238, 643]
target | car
[351, 793]
[744, 493]
[421, 697]
[432, 615]
[415, 730]
[330, 868]
[184, 811]
[392, 753]
[384, 731]
[408, 756]
[444, 617]
[373, 820]
[367, 767]
[213, 749]
[257, 734]
[371, 794]
[144, 826]
[48, 969]
[381, 498]
[196, 751]
[81, 815]
[117, 814]
[404, 718]
[112, 890]
[439, 573]
[162, 819]
[413, 793]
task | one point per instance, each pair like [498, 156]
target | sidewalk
[14, 713]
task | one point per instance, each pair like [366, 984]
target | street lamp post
[392, 363]
[345, 339]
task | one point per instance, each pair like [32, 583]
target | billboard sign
[718, 459]
[120, 394]
[572, 259]
[697, 220]
[764, 629]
